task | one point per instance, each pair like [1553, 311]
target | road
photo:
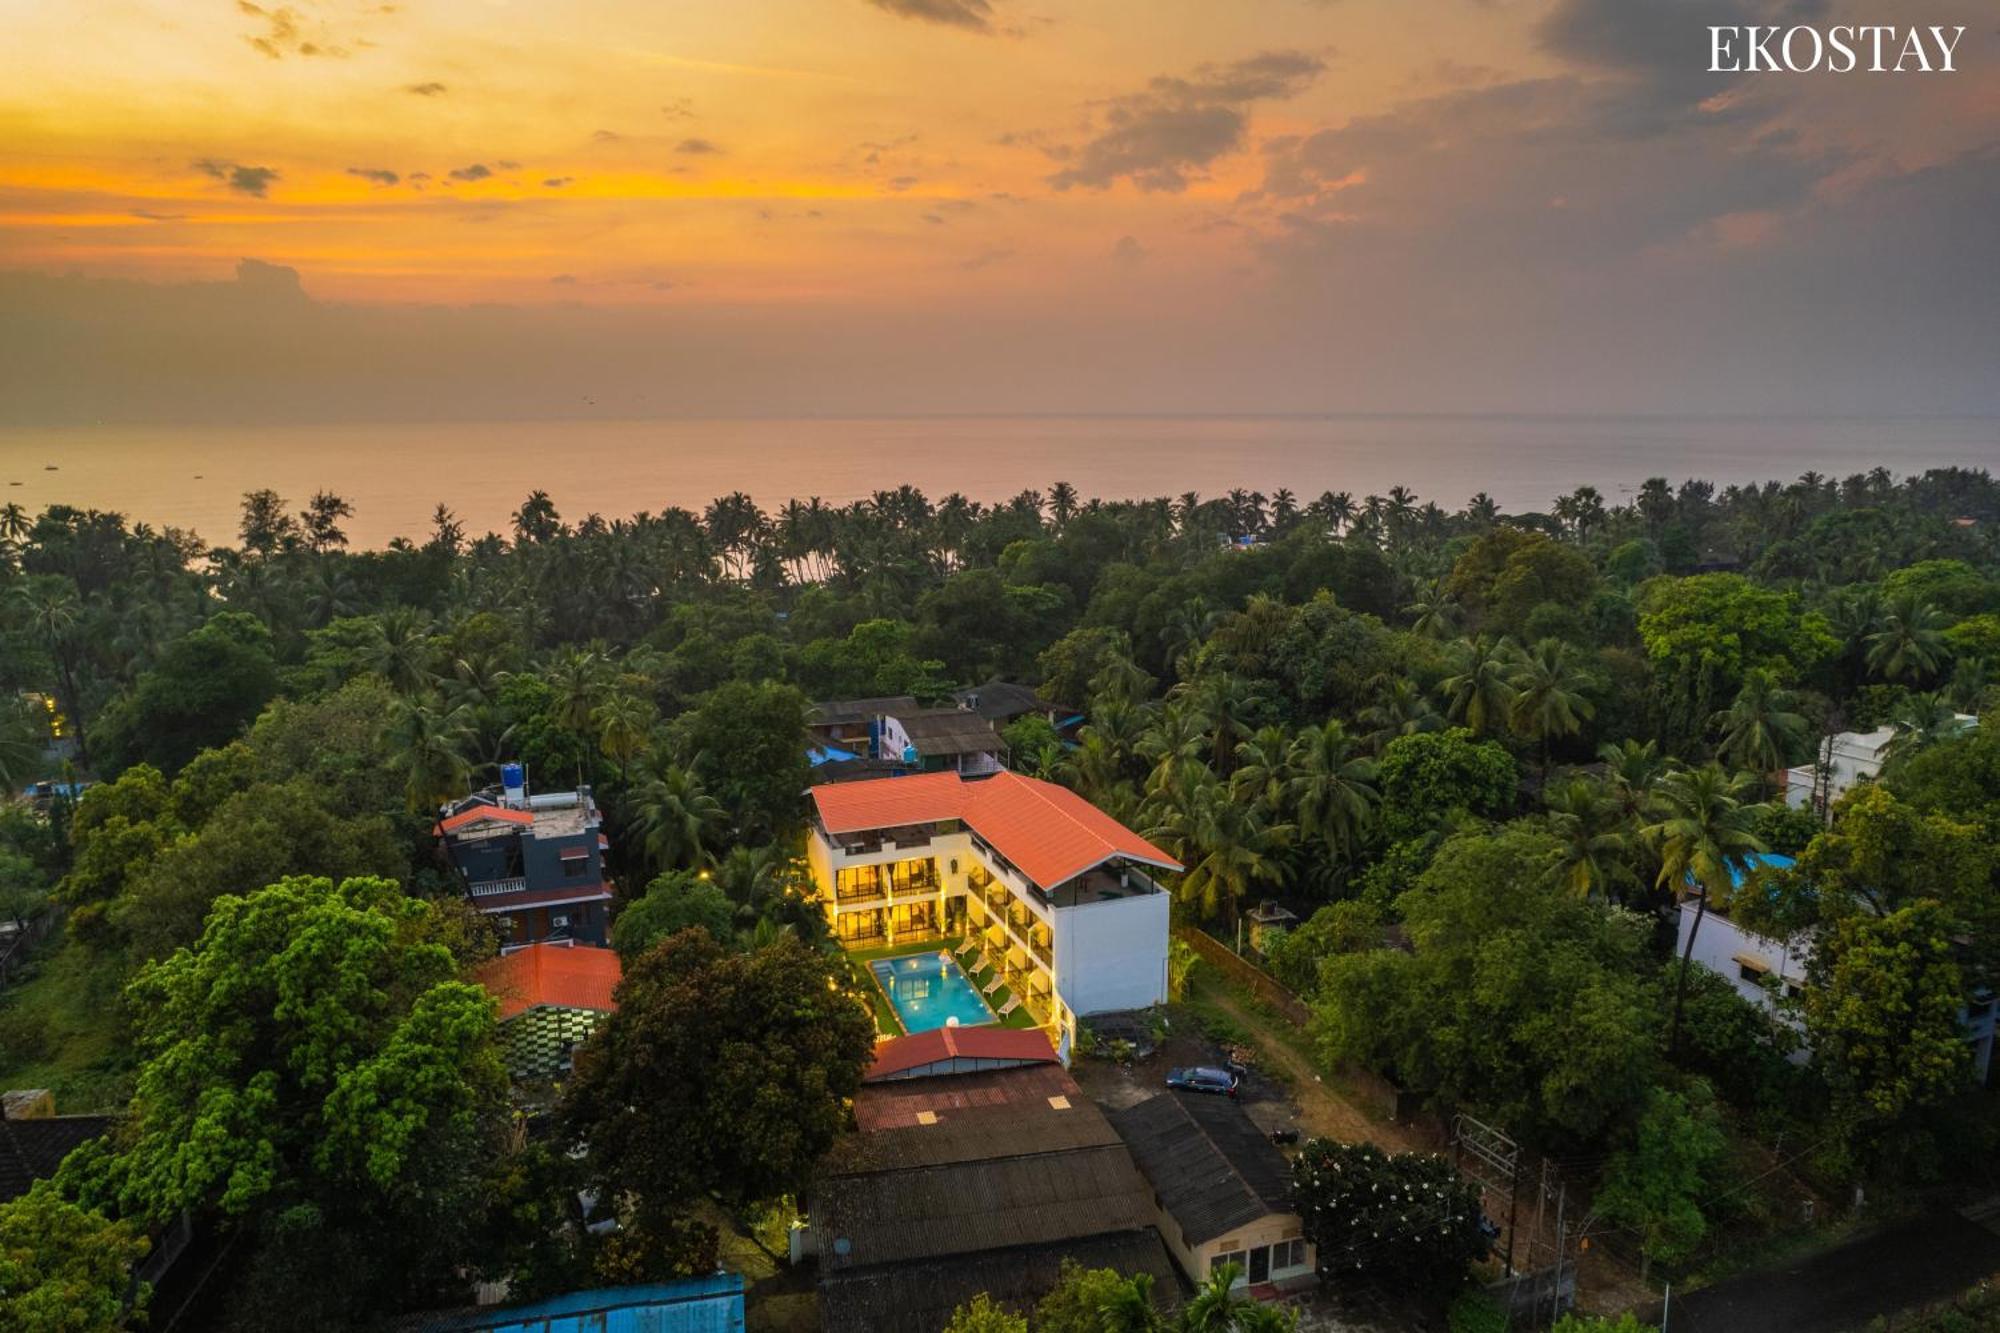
[1929, 1258]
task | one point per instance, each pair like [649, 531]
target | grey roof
[949, 731]
[845, 712]
[31, 1150]
[1214, 1170]
[919, 1297]
[1002, 700]
[968, 1207]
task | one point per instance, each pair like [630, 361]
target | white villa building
[1049, 890]
[1764, 970]
[1846, 758]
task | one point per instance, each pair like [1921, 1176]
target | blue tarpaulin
[711, 1304]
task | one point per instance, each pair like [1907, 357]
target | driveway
[1928, 1258]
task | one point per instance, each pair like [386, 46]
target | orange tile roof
[1049, 832]
[483, 812]
[569, 976]
[1027, 1045]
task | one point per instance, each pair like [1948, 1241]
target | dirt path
[1318, 1107]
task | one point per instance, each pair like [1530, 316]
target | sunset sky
[327, 209]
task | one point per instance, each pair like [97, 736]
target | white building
[1845, 759]
[1047, 892]
[1765, 970]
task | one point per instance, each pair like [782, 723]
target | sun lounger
[1012, 1004]
[995, 984]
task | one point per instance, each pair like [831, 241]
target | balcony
[488, 887]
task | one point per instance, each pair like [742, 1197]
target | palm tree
[1705, 836]
[1261, 767]
[21, 737]
[677, 818]
[1435, 612]
[1633, 770]
[1481, 692]
[1331, 795]
[1761, 729]
[399, 649]
[1911, 643]
[624, 724]
[1400, 709]
[1548, 695]
[50, 603]
[1583, 817]
[1218, 1308]
[435, 744]
[579, 679]
[1921, 721]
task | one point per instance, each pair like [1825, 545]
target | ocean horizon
[396, 473]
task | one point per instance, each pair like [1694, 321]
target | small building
[534, 863]
[1766, 971]
[34, 1139]
[1047, 893]
[1846, 758]
[711, 1304]
[552, 997]
[1223, 1189]
[1002, 701]
[958, 1050]
[855, 724]
[932, 740]
[967, 1183]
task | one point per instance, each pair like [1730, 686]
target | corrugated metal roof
[710, 1304]
[1049, 832]
[1214, 1170]
[919, 1297]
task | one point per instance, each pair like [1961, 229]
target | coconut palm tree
[1262, 767]
[1481, 692]
[1911, 643]
[1435, 612]
[1548, 697]
[1705, 836]
[1762, 728]
[1331, 795]
[1921, 721]
[624, 724]
[399, 649]
[436, 745]
[51, 608]
[1400, 709]
[678, 821]
[1219, 1308]
[1585, 819]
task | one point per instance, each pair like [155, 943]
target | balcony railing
[491, 886]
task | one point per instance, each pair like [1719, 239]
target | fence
[1251, 978]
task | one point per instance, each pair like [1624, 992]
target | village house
[533, 863]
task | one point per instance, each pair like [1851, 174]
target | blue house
[534, 863]
[712, 1304]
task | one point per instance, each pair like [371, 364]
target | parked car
[1204, 1078]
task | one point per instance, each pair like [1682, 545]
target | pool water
[929, 990]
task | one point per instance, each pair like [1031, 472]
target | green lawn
[61, 1029]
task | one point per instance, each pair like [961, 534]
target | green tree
[1409, 1221]
[624, 726]
[1480, 693]
[1656, 1185]
[981, 1315]
[312, 1067]
[1911, 645]
[679, 822]
[720, 1072]
[1427, 778]
[1331, 790]
[1337, 928]
[1705, 836]
[205, 689]
[1218, 1307]
[754, 740]
[1881, 1011]
[1098, 1300]
[672, 903]
[1762, 728]
[1549, 700]
[66, 1269]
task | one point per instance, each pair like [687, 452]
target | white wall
[1718, 945]
[1112, 955]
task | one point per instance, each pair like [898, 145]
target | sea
[395, 475]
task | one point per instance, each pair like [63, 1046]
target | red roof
[479, 813]
[1049, 832]
[1026, 1045]
[569, 976]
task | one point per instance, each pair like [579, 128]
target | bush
[1475, 1312]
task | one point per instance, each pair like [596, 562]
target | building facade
[533, 863]
[1052, 892]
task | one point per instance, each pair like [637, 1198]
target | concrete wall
[1112, 955]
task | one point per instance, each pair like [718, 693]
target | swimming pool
[929, 990]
